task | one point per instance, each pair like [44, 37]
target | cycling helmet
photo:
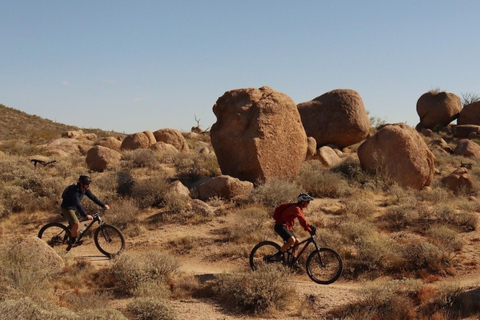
[84, 179]
[304, 197]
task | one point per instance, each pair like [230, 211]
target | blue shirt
[72, 198]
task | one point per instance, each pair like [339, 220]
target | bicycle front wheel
[324, 266]
[56, 235]
[109, 240]
[262, 254]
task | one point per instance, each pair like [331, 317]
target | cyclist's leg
[287, 236]
[71, 216]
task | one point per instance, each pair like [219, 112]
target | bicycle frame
[96, 218]
[290, 250]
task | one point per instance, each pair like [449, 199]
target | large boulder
[467, 148]
[438, 108]
[162, 147]
[398, 152]
[470, 114]
[258, 135]
[225, 187]
[328, 157]
[36, 253]
[173, 137]
[110, 142]
[135, 141]
[337, 117]
[100, 158]
[150, 136]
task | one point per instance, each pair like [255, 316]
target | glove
[314, 230]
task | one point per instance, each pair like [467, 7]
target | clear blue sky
[131, 66]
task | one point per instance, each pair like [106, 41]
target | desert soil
[197, 263]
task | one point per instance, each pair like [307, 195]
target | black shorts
[283, 232]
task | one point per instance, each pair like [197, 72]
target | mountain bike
[323, 265]
[108, 239]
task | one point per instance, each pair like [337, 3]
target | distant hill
[18, 125]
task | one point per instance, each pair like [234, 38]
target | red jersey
[288, 215]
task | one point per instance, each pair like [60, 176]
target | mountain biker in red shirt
[285, 219]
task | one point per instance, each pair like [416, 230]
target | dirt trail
[197, 263]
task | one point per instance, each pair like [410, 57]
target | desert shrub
[19, 273]
[192, 166]
[464, 221]
[18, 148]
[374, 252]
[150, 192]
[148, 273]
[27, 308]
[352, 171]
[175, 202]
[124, 213]
[469, 97]
[442, 304]
[388, 300]
[398, 217]
[275, 192]
[261, 291]
[79, 301]
[321, 182]
[101, 314]
[260, 224]
[423, 255]
[145, 158]
[125, 182]
[434, 195]
[151, 309]
[445, 238]
[359, 207]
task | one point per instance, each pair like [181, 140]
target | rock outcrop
[224, 187]
[135, 141]
[258, 135]
[398, 152]
[100, 158]
[470, 114]
[337, 117]
[173, 137]
[438, 108]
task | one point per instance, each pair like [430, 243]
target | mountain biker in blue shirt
[71, 204]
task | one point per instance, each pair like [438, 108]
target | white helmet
[304, 197]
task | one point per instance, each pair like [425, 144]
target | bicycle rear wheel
[56, 235]
[262, 254]
[324, 266]
[109, 240]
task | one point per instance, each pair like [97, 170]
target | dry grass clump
[259, 223]
[275, 192]
[21, 277]
[27, 308]
[151, 308]
[144, 275]
[124, 214]
[193, 166]
[260, 292]
[150, 191]
[322, 182]
[389, 300]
